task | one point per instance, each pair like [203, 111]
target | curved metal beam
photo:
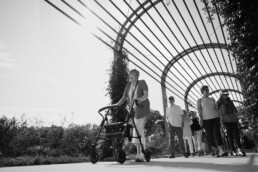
[240, 102]
[191, 50]
[230, 90]
[203, 77]
[124, 30]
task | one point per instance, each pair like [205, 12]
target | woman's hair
[134, 72]
[203, 88]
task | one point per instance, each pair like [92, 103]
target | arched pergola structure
[172, 42]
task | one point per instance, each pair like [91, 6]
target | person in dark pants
[209, 119]
[229, 121]
[174, 117]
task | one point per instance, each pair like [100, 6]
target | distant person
[174, 115]
[209, 118]
[229, 120]
[137, 90]
[187, 133]
[197, 134]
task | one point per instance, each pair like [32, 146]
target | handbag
[228, 117]
[231, 117]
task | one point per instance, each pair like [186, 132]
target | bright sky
[50, 68]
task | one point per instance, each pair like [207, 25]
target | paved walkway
[179, 164]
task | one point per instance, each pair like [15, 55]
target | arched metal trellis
[172, 42]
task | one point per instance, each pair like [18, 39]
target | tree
[118, 79]
[155, 124]
[241, 18]
[117, 82]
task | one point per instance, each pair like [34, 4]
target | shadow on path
[249, 167]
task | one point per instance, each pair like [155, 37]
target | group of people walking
[211, 116]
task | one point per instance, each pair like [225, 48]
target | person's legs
[230, 131]
[185, 144]
[218, 137]
[190, 143]
[199, 140]
[194, 137]
[139, 149]
[171, 140]
[236, 136]
[139, 124]
[208, 126]
[179, 133]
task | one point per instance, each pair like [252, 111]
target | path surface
[179, 164]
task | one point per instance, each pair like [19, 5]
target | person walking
[197, 134]
[229, 121]
[209, 118]
[187, 134]
[174, 117]
[137, 90]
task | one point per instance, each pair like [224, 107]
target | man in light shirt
[174, 115]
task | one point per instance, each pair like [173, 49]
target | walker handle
[137, 103]
[108, 107]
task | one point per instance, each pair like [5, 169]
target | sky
[51, 70]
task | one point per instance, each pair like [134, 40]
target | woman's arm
[121, 101]
[145, 89]
[216, 106]
[199, 110]
[144, 97]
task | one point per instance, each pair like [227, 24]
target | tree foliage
[241, 19]
[155, 124]
[18, 139]
[118, 79]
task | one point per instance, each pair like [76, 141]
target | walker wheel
[120, 157]
[94, 157]
[147, 156]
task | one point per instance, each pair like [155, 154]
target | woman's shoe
[139, 158]
[224, 154]
[200, 153]
[234, 153]
[171, 156]
[240, 152]
[217, 156]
